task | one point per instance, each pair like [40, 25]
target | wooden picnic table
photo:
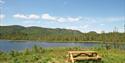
[83, 55]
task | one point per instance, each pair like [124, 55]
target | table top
[82, 52]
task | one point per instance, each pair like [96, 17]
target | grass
[58, 55]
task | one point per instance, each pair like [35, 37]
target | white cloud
[20, 16]
[84, 24]
[33, 16]
[59, 19]
[97, 24]
[48, 17]
[68, 19]
[82, 28]
[87, 20]
[71, 19]
[29, 17]
[2, 16]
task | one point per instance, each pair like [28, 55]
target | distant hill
[16, 32]
[35, 30]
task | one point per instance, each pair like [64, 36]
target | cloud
[83, 28]
[114, 19]
[28, 17]
[2, 16]
[68, 19]
[33, 16]
[59, 19]
[103, 19]
[74, 19]
[20, 16]
[97, 24]
[48, 17]
[2, 2]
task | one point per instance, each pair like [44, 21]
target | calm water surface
[7, 45]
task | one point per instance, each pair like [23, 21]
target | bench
[83, 55]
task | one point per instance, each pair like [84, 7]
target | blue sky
[83, 15]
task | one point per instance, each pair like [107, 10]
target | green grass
[58, 55]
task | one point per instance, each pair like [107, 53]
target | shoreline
[55, 41]
[61, 41]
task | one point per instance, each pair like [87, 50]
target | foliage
[58, 55]
[16, 32]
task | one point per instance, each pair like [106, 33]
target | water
[8, 45]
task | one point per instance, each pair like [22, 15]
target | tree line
[16, 32]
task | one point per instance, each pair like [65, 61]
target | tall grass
[58, 55]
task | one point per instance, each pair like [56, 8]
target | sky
[82, 15]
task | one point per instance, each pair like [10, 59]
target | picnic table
[83, 55]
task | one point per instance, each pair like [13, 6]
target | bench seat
[88, 58]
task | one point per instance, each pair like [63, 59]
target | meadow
[59, 55]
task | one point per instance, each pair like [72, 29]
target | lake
[8, 45]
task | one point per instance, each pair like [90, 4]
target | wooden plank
[80, 51]
[87, 53]
[86, 58]
[83, 55]
[71, 58]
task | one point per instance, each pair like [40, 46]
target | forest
[16, 32]
[110, 53]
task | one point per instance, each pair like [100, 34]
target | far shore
[51, 41]
[59, 41]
